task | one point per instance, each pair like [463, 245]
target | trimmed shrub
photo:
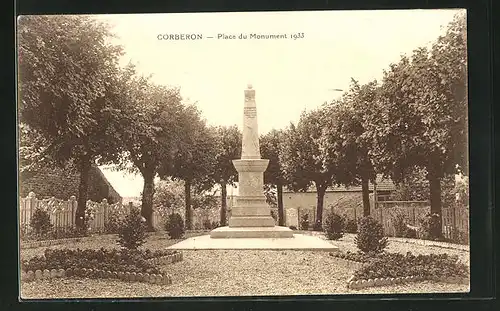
[40, 222]
[410, 233]
[351, 226]
[430, 227]
[112, 224]
[132, 232]
[207, 224]
[459, 237]
[370, 237]
[293, 227]
[399, 222]
[304, 222]
[334, 226]
[274, 215]
[318, 226]
[174, 226]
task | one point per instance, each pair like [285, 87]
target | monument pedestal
[251, 217]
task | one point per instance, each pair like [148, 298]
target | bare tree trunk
[147, 198]
[188, 214]
[85, 166]
[223, 208]
[320, 189]
[435, 198]
[281, 212]
[366, 196]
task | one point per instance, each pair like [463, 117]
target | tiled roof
[383, 184]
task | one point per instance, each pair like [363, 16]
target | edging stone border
[401, 280]
[166, 259]
[163, 279]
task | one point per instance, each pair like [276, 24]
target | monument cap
[249, 86]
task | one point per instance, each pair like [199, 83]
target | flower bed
[99, 261]
[393, 268]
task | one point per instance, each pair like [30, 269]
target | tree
[274, 175]
[195, 158]
[421, 116]
[150, 132]
[303, 159]
[67, 91]
[344, 145]
[228, 148]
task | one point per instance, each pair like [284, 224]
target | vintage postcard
[243, 154]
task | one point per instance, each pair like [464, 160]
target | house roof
[62, 184]
[383, 184]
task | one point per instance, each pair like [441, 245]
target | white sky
[288, 75]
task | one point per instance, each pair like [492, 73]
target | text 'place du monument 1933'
[227, 36]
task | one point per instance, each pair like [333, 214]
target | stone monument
[251, 215]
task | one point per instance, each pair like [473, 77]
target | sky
[288, 75]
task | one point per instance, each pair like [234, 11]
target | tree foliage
[150, 131]
[195, 158]
[67, 91]
[421, 115]
[344, 145]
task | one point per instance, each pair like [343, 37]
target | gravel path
[237, 273]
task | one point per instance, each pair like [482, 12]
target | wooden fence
[62, 213]
[385, 211]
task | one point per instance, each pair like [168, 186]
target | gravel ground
[236, 273]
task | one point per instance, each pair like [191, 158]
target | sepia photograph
[243, 154]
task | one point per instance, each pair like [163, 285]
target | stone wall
[342, 202]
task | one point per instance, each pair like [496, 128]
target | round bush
[431, 227]
[40, 222]
[132, 232]
[304, 222]
[399, 223]
[334, 226]
[370, 237]
[410, 233]
[351, 226]
[174, 226]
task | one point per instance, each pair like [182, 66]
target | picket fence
[62, 213]
[454, 217]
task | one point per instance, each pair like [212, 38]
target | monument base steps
[251, 232]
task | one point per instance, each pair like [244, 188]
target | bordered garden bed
[394, 268]
[161, 278]
[124, 264]
[173, 258]
[358, 284]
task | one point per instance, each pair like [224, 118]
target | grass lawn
[236, 273]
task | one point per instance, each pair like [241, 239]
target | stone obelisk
[251, 215]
